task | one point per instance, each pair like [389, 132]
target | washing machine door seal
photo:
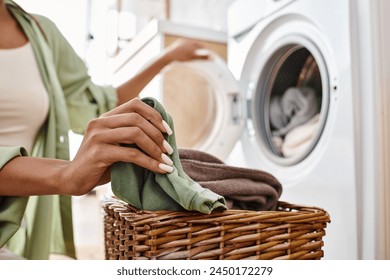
[225, 126]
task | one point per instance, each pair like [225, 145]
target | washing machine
[287, 46]
[322, 54]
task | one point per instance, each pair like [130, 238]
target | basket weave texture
[291, 232]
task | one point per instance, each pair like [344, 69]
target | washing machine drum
[290, 104]
[202, 97]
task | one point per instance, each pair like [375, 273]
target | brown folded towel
[242, 188]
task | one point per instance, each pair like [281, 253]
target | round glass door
[291, 103]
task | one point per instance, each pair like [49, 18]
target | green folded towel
[172, 191]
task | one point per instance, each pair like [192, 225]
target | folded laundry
[242, 188]
[300, 137]
[295, 107]
[172, 191]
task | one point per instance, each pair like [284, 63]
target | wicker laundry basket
[291, 232]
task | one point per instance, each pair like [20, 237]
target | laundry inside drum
[190, 99]
[294, 94]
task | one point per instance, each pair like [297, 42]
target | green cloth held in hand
[171, 191]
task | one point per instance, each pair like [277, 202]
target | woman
[53, 94]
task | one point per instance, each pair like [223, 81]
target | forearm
[134, 86]
[181, 50]
[24, 176]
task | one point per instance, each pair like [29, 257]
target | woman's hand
[185, 50]
[131, 123]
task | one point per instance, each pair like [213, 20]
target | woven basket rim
[286, 212]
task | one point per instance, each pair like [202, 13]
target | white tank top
[24, 103]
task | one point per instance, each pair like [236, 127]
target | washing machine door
[204, 100]
[289, 103]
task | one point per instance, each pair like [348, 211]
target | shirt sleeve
[85, 100]
[11, 207]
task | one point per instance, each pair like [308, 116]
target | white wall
[204, 13]
[70, 16]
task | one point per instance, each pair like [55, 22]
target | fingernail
[165, 167]
[168, 147]
[166, 159]
[167, 128]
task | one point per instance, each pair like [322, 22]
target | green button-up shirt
[34, 227]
